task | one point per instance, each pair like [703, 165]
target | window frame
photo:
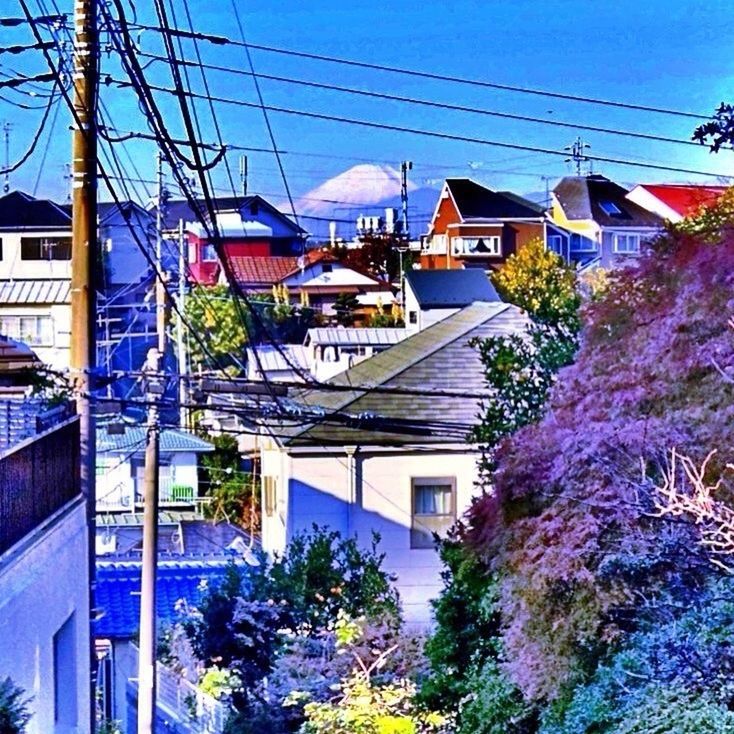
[616, 236]
[38, 339]
[270, 495]
[420, 539]
[208, 248]
[48, 249]
[458, 247]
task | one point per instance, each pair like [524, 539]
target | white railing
[199, 711]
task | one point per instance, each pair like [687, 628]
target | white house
[44, 580]
[121, 461]
[387, 450]
[432, 295]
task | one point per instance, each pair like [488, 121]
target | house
[317, 276]
[384, 449]
[45, 579]
[473, 226]
[281, 363]
[334, 349]
[249, 226]
[674, 202]
[180, 582]
[121, 461]
[432, 295]
[607, 227]
[35, 271]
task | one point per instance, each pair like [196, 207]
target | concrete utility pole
[147, 692]
[243, 174]
[83, 269]
[6, 134]
[577, 154]
[180, 340]
[405, 166]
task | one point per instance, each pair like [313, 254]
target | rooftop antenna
[577, 154]
[7, 126]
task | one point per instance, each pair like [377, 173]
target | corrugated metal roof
[37, 291]
[273, 360]
[134, 440]
[348, 336]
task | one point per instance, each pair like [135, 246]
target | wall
[125, 263]
[43, 581]
[11, 266]
[55, 354]
[316, 488]
[424, 318]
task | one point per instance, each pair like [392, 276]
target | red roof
[685, 199]
[267, 271]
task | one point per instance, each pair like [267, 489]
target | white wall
[57, 353]
[41, 585]
[11, 266]
[317, 489]
[424, 318]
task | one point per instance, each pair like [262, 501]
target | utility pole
[243, 174]
[180, 341]
[6, 135]
[154, 365]
[405, 166]
[83, 271]
[577, 154]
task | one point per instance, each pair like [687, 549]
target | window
[435, 244]
[65, 676]
[36, 331]
[555, 243]
[579, 243]
[477, 245]
[1, 248]
[610, 208]
[208, 254]
[326, 268]
[269, 495]
[434, 509]
[45, 248]
[412, 317]
[627, 243]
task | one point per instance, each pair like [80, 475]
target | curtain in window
[433, 499]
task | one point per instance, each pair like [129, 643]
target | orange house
[473, 226]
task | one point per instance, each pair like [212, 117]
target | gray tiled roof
[581, 197]
[450, 288]
[19, 210]
[438, 358]
[133, 440]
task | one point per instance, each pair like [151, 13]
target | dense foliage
[279, 620]
[606, 617]
[14, 714]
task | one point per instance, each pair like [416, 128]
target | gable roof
[437, 358]
[117, 592]
[133, 440]
[347, 336]
[474, 201]
[586, 197]
[450, 288]
[259, 270]
[177, 209]
[19, 210]
[685, 199]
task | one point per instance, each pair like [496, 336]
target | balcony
[37, 478]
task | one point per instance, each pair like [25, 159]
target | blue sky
[676, 54]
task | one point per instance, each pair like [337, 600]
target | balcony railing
[170, 492]
[37, 478]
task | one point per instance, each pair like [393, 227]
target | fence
[37, 477]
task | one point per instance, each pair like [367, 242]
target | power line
[223, 40]
[430, 133]
[439, 105]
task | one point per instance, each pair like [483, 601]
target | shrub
[14, 714]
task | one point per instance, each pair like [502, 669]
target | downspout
[351, 485]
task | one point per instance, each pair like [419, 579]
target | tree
[345, 305]
[377, 255]
[719, 131]
[14, 714]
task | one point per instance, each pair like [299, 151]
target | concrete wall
[370, 492]
[43, 583]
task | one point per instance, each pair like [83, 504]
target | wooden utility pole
[155, 364]
[405, 166]
[180, 337]
[83, 270]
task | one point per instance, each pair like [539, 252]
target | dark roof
[450, 288]
[117, 592]
[586, 197]
[19, 210]
[437, 358]
[106, 209]
[475, 201]
[177, 209]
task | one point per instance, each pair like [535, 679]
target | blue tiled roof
[134, 439]
[117, 595]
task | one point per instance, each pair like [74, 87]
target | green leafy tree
[345, 306]
[14, 713]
